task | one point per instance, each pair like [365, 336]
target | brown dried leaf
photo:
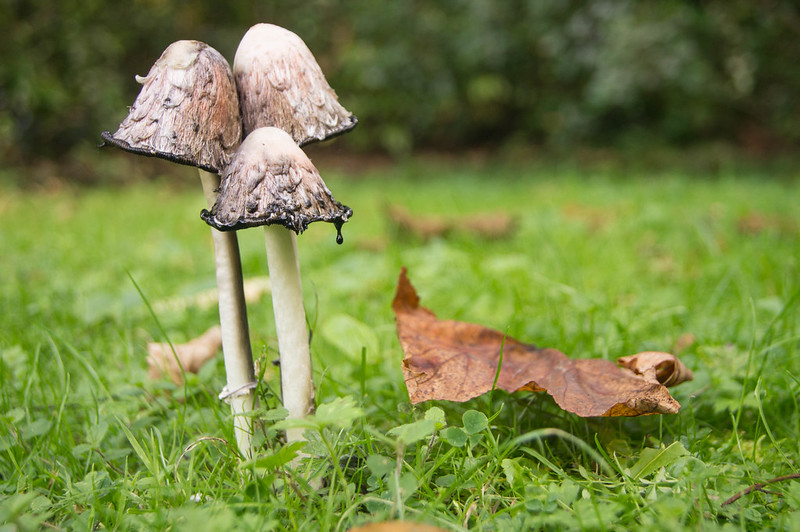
[684, 342]
[755, 223]
[657, 367]
[490, 226]
[456, 361]
[254, 288]
[423, 228]
[192, 355]
[596, 219]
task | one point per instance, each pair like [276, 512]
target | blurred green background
[432, 74]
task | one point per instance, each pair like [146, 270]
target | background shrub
[434, 73]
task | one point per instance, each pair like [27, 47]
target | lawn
[599, 264]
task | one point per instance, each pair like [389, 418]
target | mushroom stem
[297, 387]
[236, 349]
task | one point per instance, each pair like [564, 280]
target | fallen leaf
[396, 526]
[657, 367]
[192, 355]
[490, 226]
[684, 341]
[253, 288]
[424, 228]
[755, 223]
[595, 218]
[457, 361]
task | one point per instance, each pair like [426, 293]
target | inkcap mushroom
[281, 85]
[271, 182]
[188, 112]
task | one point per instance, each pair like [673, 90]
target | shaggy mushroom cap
[271, 181]
[187, 110]
[281, 85]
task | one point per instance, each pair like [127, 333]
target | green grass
[601, 265]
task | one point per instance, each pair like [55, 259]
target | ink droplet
[339, 238]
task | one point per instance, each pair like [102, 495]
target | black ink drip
[339, 238]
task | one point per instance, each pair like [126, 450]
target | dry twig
[759, 487]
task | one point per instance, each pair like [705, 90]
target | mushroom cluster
[243, 129]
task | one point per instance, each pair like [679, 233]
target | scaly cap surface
[187, 110]
[281, 85]
[271, 181]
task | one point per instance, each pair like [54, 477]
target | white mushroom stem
[239, 391]
[297, 387]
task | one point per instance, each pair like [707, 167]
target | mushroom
[281, 85]
[188, 112]
[271, 182]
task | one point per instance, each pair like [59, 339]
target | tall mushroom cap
[271, 181]
[281, 85]
[187, 110]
